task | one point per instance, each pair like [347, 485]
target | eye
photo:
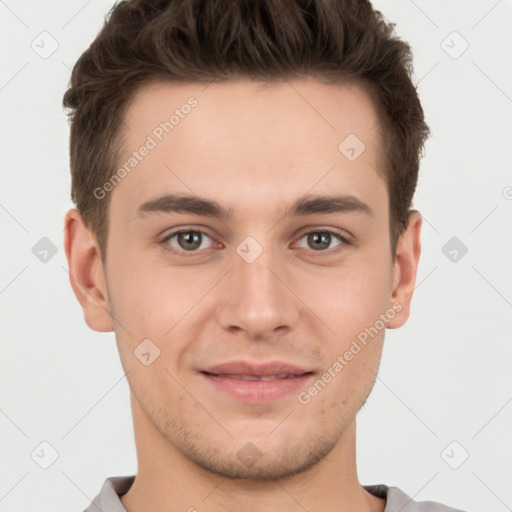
[190, 242]
[186, 240]
[319, 241]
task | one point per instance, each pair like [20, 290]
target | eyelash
[329, 252]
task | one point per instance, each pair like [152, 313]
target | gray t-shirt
[396, 500]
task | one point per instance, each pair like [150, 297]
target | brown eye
[320, 241]
[189, 240]
[186, 241]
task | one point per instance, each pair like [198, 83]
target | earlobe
[86, 273]
[405, 270]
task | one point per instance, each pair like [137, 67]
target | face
[250, 317]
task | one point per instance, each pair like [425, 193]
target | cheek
[137, 298]
[353, 352]
[350, 298]
[156, 302]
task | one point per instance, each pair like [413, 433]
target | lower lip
[257, 391]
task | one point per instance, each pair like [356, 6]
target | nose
[257, 298]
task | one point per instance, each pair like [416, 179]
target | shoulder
[398, 500]
[108, 498]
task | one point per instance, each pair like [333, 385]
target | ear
[405, 269]
[86, 272]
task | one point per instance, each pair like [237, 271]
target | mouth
[263, 378]
[256, 383]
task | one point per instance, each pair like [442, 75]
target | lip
[222, 378]
[258, 369]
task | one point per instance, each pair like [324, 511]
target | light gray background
[444, 377]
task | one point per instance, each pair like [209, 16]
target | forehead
[322, 108]
[252, 137]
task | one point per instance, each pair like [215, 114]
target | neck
[168, 481]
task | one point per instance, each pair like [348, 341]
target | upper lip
[256, 369]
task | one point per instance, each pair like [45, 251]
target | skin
[255, 149]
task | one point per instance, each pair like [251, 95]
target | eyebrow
[308, 205]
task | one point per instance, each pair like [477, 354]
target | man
[243, 174]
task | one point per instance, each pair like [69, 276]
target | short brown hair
[335, 41]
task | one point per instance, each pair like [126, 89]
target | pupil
[190, 238]
[323, 237]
